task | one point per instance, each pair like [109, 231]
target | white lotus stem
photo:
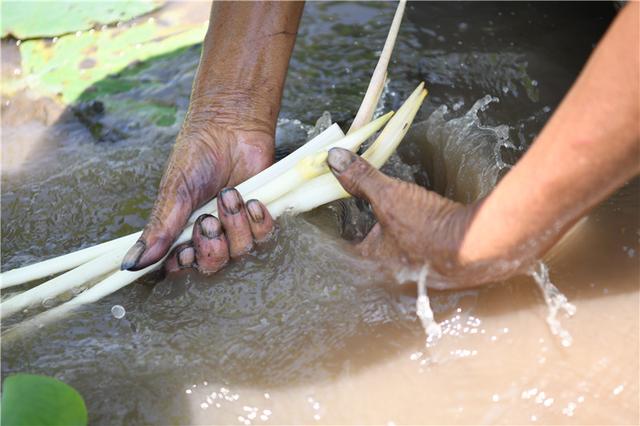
[61, 263]
[313, 165]
[317, 191]
[326, 188]
[380, 151]
[69, 261]
[306, 169]
[329, 136]
[379, 76]
[100, 260]
[109, 260]
[365, 112]
[77, 277]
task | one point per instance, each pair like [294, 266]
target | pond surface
[300, 331]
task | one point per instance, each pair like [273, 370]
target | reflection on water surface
[300, 331]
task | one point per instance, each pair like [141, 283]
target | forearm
[244, 64]
[589, 148]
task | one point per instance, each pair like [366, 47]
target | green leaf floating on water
[75, 62]
[32, 400]
[28, 19]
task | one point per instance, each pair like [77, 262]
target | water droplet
[118, 311]
[618, 390]
[48, 303]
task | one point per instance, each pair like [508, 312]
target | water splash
[423, 305]
[463, 157]
[555, 300]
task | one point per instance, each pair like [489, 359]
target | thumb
[169, 215]
[361, 179]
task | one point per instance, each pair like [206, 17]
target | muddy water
[300, 331]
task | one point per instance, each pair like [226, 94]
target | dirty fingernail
[133, 255]
[340, 158]
[230, 200]
[255, 211]
[186, 257]
[210, 227]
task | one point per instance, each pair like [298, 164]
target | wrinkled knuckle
[414, 192]
[367, 171]
[385, 193]
[362, 176]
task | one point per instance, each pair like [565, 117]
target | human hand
[416, 227]
[206, 158]
[215, 240]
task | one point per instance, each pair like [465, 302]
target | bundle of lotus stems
[297, 183]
